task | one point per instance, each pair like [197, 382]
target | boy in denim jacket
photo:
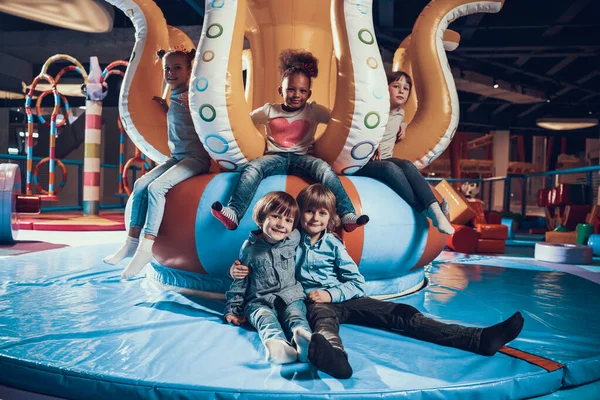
[272, 291]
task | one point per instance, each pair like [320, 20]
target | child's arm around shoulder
[234, 309]
[347, 272]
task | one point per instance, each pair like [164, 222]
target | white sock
[142, 256]
[445, 207]
[280, 352]
[126, 250]
[439, 219]
[302, 339]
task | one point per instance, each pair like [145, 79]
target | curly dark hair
[292, 61]
[189, 55]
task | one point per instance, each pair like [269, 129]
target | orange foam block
[477, 206]
[460, 211]
[561, 237]
[492, 231]
[463, 240]
[490, 246]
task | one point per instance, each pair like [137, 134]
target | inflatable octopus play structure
[193, 250]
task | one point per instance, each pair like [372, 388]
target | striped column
[91, 161]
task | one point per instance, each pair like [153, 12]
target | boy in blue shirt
[335, 295]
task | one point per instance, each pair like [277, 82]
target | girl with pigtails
[188, 158]
[290, 128]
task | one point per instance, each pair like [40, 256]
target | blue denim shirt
[273, 274]
[328, 266]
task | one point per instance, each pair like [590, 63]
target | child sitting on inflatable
[401, 175]
[335, 291]
[272, 290]
[290, 129]
[188, 158]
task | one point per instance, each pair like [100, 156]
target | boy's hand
[319, 296]
[238, 271]
[235, 319]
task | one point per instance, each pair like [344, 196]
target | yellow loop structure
[28, 99]
[57, 57]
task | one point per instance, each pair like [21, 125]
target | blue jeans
[403, 178]
[304, 166]
[149, 191]
[265, 319]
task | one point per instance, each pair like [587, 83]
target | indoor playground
[501, 120]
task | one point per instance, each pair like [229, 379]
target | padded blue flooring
[70, 328]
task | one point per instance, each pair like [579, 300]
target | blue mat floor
[70, 328]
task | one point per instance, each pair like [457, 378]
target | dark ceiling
[550, 46]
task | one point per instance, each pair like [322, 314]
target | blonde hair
[276, 202]
[318, 196]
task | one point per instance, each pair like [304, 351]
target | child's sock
[224, 214]
[127, 250]
[352, 221]
[302, 340]
[445, 206]
[329, 359]
[496, 336]
[280, 352]
[142, 256]
[439, 219]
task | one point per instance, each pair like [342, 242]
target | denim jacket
[273, 274]
[328, 266]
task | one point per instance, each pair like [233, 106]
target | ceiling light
[495, 85]
[80, 15]
[66, 89]
[566, 124]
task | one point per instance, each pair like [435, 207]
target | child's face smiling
[314, 221]
[176, 70]
[399, 91]
[295, 90]
[277, 227]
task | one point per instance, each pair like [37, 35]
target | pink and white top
[290, 132]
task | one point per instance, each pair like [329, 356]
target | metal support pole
[506, 203]
[524, 197]
[80, 185]
[490, 183]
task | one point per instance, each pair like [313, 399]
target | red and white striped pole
[93, 140]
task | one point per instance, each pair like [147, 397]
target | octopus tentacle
[402, 63]
[361, 109]
[142, 118]
[219, 109]
[427, 137]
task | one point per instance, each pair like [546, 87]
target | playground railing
[22, 160]
[520, 191]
